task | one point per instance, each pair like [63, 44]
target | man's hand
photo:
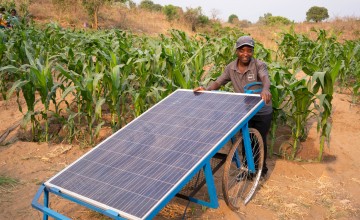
[200, 88]
[266, 95]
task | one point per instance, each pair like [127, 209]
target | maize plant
[87, 96]
[302, 99]
[115, 84]
[325, 81]
[280, 78]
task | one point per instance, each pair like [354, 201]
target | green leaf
[67, 90]
[17, 85]
[318, 76]
[29, 55]
[98, 127]
[335, 71]
[180, 78]
[9, 68]
[99, 103]
[26, 119]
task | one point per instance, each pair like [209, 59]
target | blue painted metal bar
[248, 148]
[236, 159]
[44, 208]
[180, 186]
[110, 213]
[46, 202]
[213, 203]
[49, 212]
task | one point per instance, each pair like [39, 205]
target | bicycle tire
[238, 183]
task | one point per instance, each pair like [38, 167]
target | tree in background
[262, 19]
[127, 3]
[171, 12]
[203, 20]
[131, 4]
[232, 18]
[195, 17]
[214, 14]
[317, 14]
[275, 20]
[244, 23]
[150, 5]
[93, 7]
[269, 19]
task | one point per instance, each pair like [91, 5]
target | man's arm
[213, 86]
[265, 93]
[222, 80]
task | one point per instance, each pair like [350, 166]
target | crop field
[83, 74]
[68, 85]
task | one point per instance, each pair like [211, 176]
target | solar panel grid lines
[176, 139]
[135, 169]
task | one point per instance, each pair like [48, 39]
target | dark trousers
[262, 124]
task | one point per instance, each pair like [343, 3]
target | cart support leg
[45, 207]
[46, 203]
[211, 186]
[236, 157]
[248, 148]
[213, 200]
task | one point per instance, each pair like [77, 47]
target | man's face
[244, 54]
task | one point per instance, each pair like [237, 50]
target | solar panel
[136, 168]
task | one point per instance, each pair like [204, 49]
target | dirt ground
[303, 189]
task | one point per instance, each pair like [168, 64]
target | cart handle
[248, 86]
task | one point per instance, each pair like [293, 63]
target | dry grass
[344, 28]
[154, 23]
[138, 21]
[116, 16]
[297, 201]
[44, 11]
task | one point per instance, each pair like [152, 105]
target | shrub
[171, 12]
[232, 18]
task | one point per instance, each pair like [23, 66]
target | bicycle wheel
[239, 183]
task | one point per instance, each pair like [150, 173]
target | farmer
[2, 18]
[13, 19]
[246, 69]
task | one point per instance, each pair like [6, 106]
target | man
[2, 18]
[13, 20]
[242, 71]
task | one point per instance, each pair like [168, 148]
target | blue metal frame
[205, 165]
[213, 203]
[210, 183]
[49, 212]
[248, 150]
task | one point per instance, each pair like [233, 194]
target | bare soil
[302, 189]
